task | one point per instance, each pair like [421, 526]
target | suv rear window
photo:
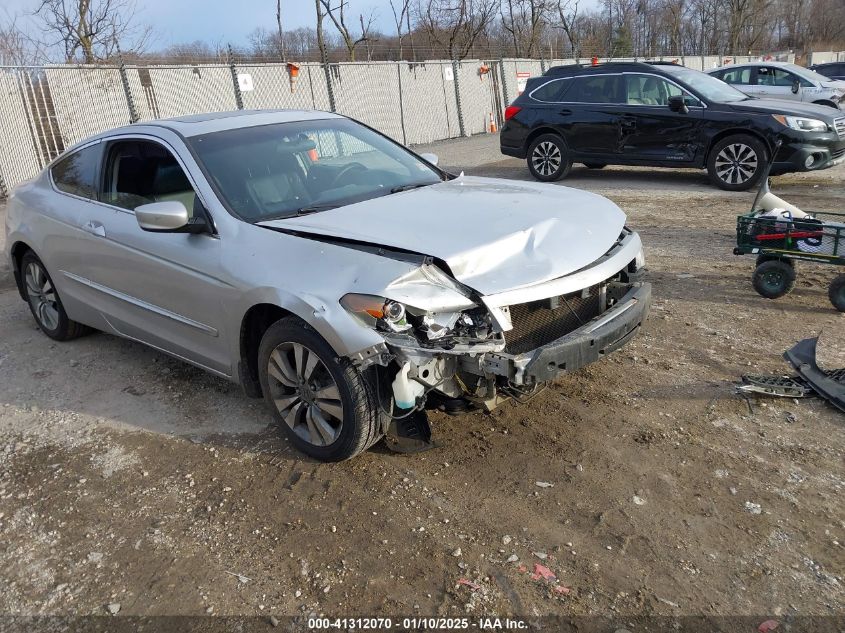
[597, 89]
[75, 173]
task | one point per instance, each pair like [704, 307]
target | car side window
[774, 76]
[76, 172]
[597, 89]
[552, 92]
[652, 90]
[140, 172]
[737, 76]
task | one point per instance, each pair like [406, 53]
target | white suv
[780, 80]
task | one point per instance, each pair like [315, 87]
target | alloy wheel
[42, 296]
[305, 394]
[736, 163]
[546, 158]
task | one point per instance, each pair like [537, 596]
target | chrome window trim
[702, 105]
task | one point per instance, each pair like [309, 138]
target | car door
[590, 115]
[774, 82]
[741, 78]
[163, 289]
[656, 133]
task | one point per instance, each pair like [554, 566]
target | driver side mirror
[431, 158]
[795, 87]
[169, 216]
[677, 104]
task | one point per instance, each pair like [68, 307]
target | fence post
[127, 90]
[504, 82]
[401, 103]
[329, 87]
[461, 126]
[239, 98]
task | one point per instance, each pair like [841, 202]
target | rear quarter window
[76, 173]
[552, 91]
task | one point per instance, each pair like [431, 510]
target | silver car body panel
[504, 242]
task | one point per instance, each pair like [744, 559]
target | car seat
[171, 183]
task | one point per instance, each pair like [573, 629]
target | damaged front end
[473, 351]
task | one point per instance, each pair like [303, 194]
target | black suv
[831, 70]
[664, 115]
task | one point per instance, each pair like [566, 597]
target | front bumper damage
[594, 340]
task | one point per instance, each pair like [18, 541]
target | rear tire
[774, 279]
[321, 402]
[737, 163]
[548, 158]
[836, 293]
[44, 301]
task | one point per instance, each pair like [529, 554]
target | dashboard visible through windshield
[287, 169]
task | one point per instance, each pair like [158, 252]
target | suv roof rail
[574, 68]
[660, 62]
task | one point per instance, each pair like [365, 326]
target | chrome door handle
[94, 228]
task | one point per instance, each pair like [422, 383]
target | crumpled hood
[495, 235]
[835, 84]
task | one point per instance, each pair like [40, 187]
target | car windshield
[286, 169]
[709, 87]
[806, 73]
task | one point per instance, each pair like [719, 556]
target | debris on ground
[541, 571]
[468, 583]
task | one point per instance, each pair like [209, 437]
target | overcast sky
[180, 21]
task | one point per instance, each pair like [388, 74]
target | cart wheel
[773, 279]
[836, 292]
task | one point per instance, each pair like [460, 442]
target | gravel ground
[128, 478]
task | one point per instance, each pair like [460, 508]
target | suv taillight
[511, 111]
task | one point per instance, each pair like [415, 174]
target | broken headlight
[386, 315]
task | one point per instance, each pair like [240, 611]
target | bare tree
[17, 48]
[321, 36]
[455, 25]
[524, 21]
[337, 14]
[567, 11]
[402, 17]
[93, 29]
[280, 30]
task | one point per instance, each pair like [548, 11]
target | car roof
[196, 124]
[757, 63]
[574, 69]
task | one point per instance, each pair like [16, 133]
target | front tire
[836, 293]
[548, 158]
[736, 163]
[321, 402]
[44, 301]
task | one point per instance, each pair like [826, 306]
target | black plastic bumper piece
[803, 358]
[594, 340]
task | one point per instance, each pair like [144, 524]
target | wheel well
[825, 102]
[19, 249]
[727, 133]
[255, 323]
[539, 132]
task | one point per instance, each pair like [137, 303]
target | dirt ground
[133, 480]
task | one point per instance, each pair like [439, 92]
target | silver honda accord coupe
[346, 280]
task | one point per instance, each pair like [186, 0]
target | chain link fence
[44, 110]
